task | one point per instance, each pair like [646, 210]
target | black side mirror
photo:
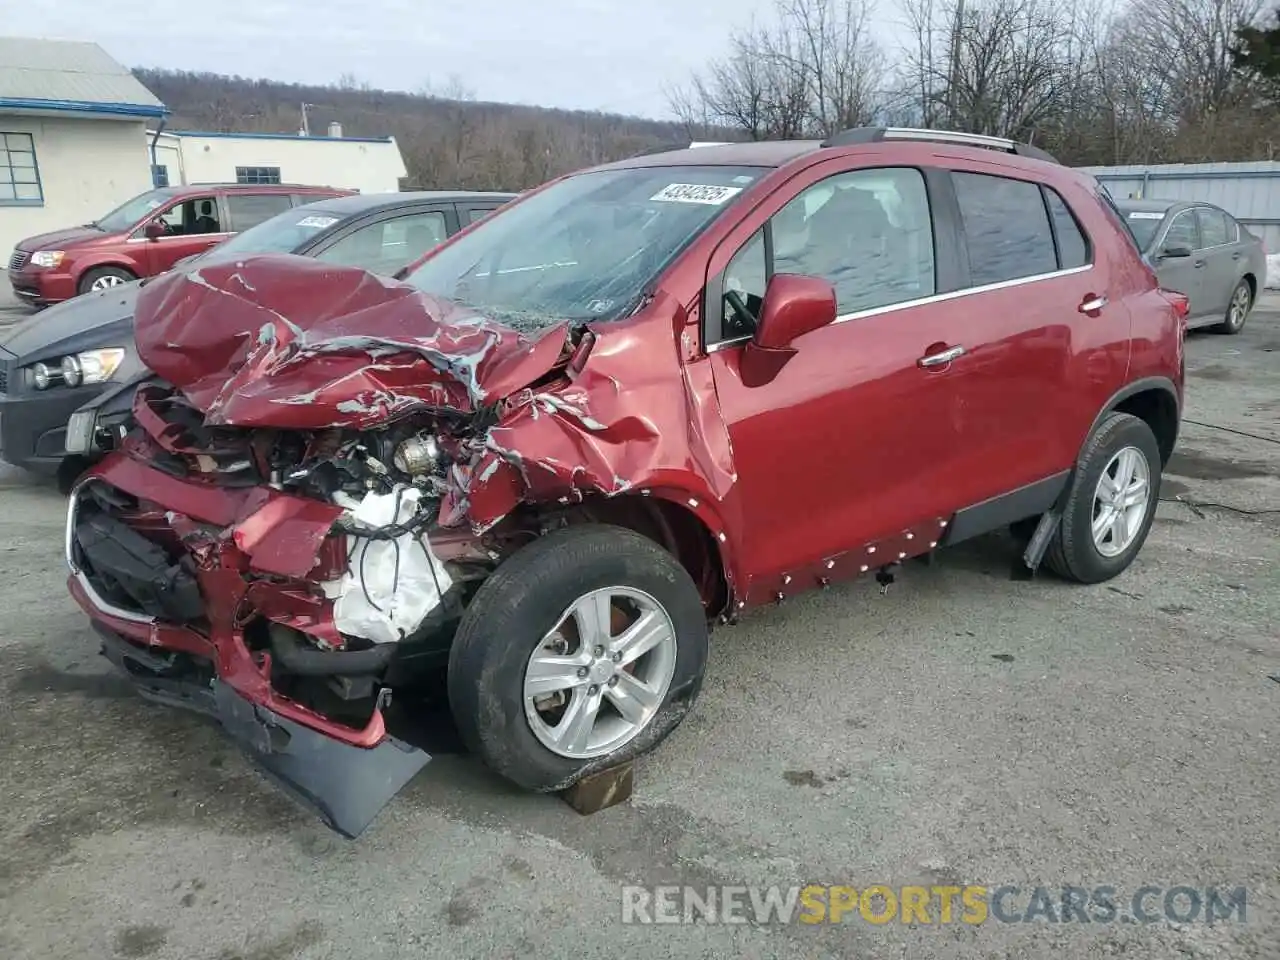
[1177, 251]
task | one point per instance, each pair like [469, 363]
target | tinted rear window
[1214, 230]
[1073, 248]
[1006, 228]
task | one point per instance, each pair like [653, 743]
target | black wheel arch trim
[1132, 390]
[1163, 384]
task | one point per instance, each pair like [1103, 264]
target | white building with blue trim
[80, 135]
[72, 135]
[366, 164]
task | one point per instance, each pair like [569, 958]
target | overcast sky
[612, 55]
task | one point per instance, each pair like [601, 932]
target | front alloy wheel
[107, 281]
[582, 650]
[591, 687]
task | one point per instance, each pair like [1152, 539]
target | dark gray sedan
[1203, 252]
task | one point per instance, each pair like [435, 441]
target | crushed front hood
[289, 342]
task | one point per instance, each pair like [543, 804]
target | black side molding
[1000, 511]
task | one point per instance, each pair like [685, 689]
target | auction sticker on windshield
[696, 193]
[1146, 215]
[319, 222]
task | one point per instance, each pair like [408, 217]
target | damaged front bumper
[346, 774]
[347, 786]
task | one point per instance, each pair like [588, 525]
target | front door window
[868, 232]
[193, 217]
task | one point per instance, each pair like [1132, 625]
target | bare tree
[812, 71]
[999, 67]
[691, 110]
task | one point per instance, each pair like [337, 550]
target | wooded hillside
[448, 139]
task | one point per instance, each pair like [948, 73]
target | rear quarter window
[1073, 245]
[1116, 217]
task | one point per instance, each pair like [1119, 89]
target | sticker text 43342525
[696, 193]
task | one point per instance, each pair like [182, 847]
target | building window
[257, 174]
[19, 175]
[159, 175]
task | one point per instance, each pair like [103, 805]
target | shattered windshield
[586, 248]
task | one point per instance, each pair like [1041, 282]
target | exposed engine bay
[376, 570]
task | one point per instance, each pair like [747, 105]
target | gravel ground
[961, 729]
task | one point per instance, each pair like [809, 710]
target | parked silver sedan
[1203, 252]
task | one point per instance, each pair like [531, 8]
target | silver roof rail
[857, 135]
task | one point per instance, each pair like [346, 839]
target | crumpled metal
[276, 341]
[290, 342]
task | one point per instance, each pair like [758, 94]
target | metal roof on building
[1249, 191]
[71, 76]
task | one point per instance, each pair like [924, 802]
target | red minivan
[145, 236]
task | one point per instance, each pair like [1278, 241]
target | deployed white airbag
[390, 585]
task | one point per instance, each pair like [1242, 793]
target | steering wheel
[746, 320]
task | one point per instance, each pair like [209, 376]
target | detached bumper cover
[347, 786]
[144, 605]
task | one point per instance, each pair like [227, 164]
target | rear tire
[1117, 488]
[104, 278]
[527, 606]
[1237, 310]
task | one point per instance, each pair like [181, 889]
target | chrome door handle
[938, 359]
[1089, 306]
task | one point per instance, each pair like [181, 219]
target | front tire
[1238, 309]
[584, 649]
[1112, 502]
[104, 278]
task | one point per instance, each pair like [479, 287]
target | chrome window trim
[933, 298]
[1192, 210]
[183, 236]
[1230, 219]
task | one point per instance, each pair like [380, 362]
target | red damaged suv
[637, 400]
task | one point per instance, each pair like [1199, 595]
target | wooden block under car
[607, 788]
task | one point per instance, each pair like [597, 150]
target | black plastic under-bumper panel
[347, 786]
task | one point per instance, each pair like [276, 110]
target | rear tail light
[1181, 306]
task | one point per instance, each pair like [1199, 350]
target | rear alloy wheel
[1112, 502]
[584, 649]
[1238, 310]
[104, 278]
